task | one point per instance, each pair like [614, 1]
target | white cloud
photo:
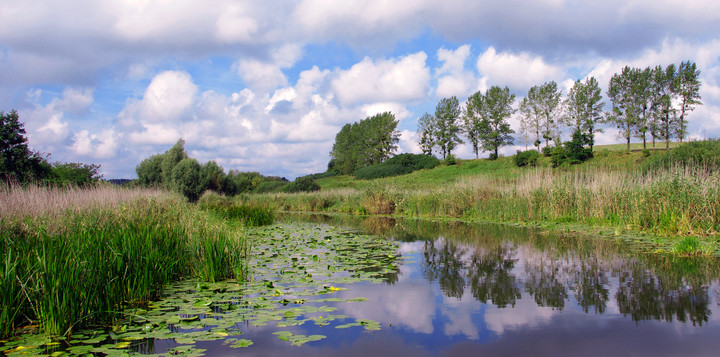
[262, 77]
[234, 25]
[517, 71]
[169, 97]
[99, 146]
[406, 79]
[453, 79]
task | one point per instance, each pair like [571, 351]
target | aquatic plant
[71, 269]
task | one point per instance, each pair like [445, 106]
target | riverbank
[79, 257]
[674, 209]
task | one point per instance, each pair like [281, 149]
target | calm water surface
[465, 289]
[468, 289]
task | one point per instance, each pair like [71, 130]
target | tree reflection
[491, 279]
[485, 260]
[644, 296]
[443, 263]
[591, 289]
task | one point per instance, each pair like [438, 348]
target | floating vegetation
[295, 273]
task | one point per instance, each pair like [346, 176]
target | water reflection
[499, 265]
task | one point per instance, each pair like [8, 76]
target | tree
[212, 176]
[687, 90]
[584, 108]
[426, 130]
[17, 162]
[662, 111]
[74, 174]
[447, 130]
[368, 142]
[541, 110]
[641, 96]
[171, 158]
[494, 108]
[472, 121]
[149, 171]
[186, 179]
[624, 110]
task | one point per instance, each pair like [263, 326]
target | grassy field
[72, 258]
[611, 192]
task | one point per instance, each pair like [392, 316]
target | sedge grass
[81, 263]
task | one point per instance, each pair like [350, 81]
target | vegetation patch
[397, 165]
[296, 272]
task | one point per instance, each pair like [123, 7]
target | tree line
[650, 103]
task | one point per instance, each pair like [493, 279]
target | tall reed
[72, 265]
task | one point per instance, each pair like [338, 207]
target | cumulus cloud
[517, 71]
[406, 79]
[260, 76]
[453, 79]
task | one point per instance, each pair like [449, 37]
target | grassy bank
[615, 190]
[79, 257]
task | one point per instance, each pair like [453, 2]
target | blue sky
[265, 86]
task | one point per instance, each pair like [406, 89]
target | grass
[610, 191]
[82, 257]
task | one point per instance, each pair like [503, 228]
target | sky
[266, 85]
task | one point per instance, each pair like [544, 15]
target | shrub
[452, 160]
[573, 152]
[397, 165]
[270, 186]
[526, 158]
[704, 153]
[186, 179]
[302, 184]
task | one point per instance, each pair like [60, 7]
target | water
[458, 289]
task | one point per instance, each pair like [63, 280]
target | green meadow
[662, 196]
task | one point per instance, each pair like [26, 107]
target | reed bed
[683, 200]
[83, 257]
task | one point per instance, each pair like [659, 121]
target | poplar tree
[541, 111]
[584, 108]
[447, 130]
[687, 90]
[494, 109]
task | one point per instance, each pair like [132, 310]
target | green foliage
[186, 179]
[212, 176]
[74, 174]
[270, 186]
[447, 130]
[540, 111]
[492, 110]
[572, 152]
[302, 184]
[171, 158]
[397, 165]
[250, 216]
[526, 158]
[688, 246]
[149, 171]
[84, 268]
[368, 142]
[705, 154]
[17, 162]
[584, 107]
[450, 160]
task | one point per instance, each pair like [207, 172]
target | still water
[342, 286]
[467, 289]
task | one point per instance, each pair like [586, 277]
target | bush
[573, 152]
[270, 186]
[302, 184]
[186, 179]
[450, 160]
[74, 174]
[402, 164]
[526, 158]
[704, 153]
[547, 151]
